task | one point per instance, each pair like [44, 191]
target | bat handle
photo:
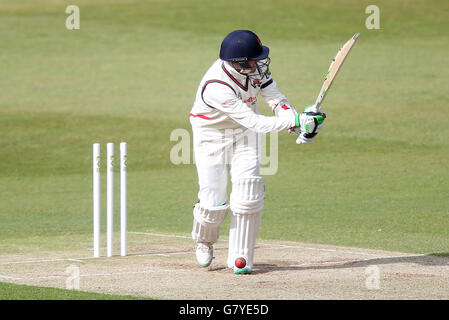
[317, 105]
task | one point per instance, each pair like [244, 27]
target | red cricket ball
[240, 262]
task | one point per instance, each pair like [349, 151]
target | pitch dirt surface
[163, 266]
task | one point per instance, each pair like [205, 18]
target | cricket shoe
[204, 253]
[244, 270]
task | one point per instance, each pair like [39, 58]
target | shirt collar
[233, 72]
[240, 79]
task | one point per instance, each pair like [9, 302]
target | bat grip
[317, 106]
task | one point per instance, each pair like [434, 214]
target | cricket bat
[335, 66]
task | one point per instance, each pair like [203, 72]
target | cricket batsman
[226, 127]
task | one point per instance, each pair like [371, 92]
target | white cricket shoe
[204, 253]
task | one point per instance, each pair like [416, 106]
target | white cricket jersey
[227, 99]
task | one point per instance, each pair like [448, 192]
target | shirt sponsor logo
[250, 100]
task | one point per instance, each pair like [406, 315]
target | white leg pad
[207, 222]
[247, 201]
[242, 237]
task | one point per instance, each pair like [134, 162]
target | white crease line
[82, 260]
[161, 235]
[310, 264]
[8, 278]
[317, 264]
[39, 261]
[326, 250]
[102, 274]
[45, 260]
[162, 254]
[342, 262]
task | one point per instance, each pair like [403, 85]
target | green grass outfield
[20, 292]
[376, 177]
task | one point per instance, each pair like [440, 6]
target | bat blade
[335, 66]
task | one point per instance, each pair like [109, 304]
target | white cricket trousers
[219, 153]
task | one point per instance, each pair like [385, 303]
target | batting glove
[309, 123]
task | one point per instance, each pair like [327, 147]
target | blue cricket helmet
[243, 45]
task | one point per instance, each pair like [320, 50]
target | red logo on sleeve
[250, 100]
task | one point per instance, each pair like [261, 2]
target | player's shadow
[433, 259]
